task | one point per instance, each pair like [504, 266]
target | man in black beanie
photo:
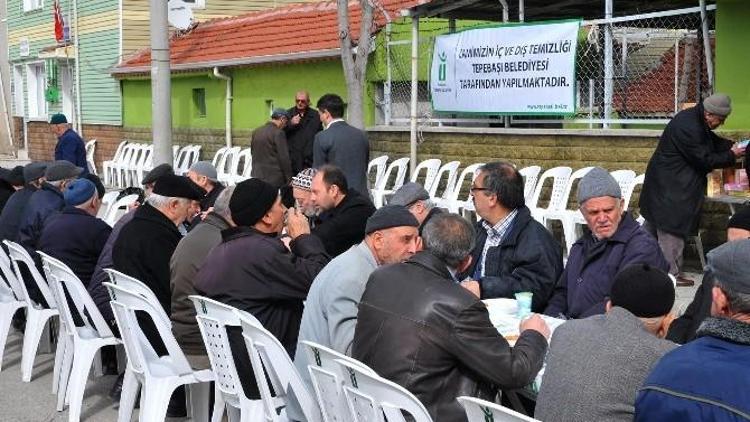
[252, 270]
[619, 347]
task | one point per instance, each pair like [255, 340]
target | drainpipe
[707, 47]
[78, 71]
[228, 105]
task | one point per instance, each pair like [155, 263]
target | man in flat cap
[15, 208]
[11, 180]
[675, 183]
[708, 379]
[418, 327]
[614, 241]
[70, 146]
[331, 308]
[271, 162]
[252, 270]
[620, 346]
[204, 174]
[417, 200]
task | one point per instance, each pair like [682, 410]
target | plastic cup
[523, 299]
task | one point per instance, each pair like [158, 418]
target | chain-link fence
[658, 66]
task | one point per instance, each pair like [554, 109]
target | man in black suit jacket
[341, 145]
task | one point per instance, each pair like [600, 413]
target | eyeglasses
[303, 101]
[476, 189]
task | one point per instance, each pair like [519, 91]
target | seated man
[15, 209]
[331, 308]
[75, 236]
[615, 241]
[684, 328]
[620, 346]
[343, 212]
[203, 174]
[417, 200]
[514, 253]
[252, 270]
[302, 191]
[419, 328]
[708, 379]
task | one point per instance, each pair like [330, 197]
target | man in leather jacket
[419, 328]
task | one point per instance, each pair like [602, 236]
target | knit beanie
[79, 191]
[643, 290]
[596, 183]
[718, 104]
[740, 220]
[251, 200]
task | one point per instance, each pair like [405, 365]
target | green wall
[253, 87]
[733, 60]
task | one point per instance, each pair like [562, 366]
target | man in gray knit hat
[675, 183]
[614, 241]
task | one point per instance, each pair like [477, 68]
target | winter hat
[728, 263]
[79, 191]
[596, 183]
[303, 179]
[390, 216]
[205, 168]
[408, 194]
[156, 173]
[251, 200]
[643, 290]
[718, 104]
[175, 186]
[58, 119]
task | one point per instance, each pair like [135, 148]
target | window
[199, 102]
[29, 5]
[35, 85]
[18, 105]
[196, 4]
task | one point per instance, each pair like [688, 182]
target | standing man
[342, 145]
[304, 124]
[675, 183]
[270, 153]
[70, 146]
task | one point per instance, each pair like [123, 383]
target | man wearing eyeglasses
[304, 123]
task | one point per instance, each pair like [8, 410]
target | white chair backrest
[178, 156]
[213, 318]
[625, 180]
[637, 181]
[452, 202]
[559, 176]
[449, 173]
[244, 164]
[16, 286]
[430, 167]
[219, 156]
[18, 254]
[378, 164]
[399, 166]
[119, 151]
[232, 160]
[367, 395]
[478, 410]
[194, 155]
[141, 355]
[61, 278]
[325, 374]
[561, 202]
[127, 153]
[267, 353]
[530, 175]
[118, 208]
[137, 286]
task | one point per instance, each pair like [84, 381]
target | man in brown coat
[270, 154]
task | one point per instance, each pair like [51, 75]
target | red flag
[59, 23]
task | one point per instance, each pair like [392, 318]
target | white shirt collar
[334, 121]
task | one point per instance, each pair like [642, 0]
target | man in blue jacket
[708, 379]
[615, 241]
[70, 146]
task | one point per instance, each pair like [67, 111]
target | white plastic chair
[178, 155]
[90, 149]
[559, 176]
[244, 166]
[430, 167]
[530, 175]
[452, 202]
[108, 166]
[478, 410]
[159, 375]
[625, 179]
[213, 319]
[118, 208]
[449, 173]
[107, 200]
[145, 163]
[11, 300]
[382, 188]
[36, 315]
[560, 212]
[327, 380]
[227, 168]
[130, 161]
[137, 286]
[368, 395]
[378, 164]
[118, 166]
[219, 156]
[82, 343]
[269, 356]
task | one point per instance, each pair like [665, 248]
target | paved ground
[34, 401]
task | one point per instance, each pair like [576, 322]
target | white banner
[518, 69]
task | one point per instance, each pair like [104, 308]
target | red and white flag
[59, 22]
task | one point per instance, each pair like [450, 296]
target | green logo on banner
[442, 67]
[488, 417]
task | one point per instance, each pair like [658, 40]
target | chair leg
[156, 394]
[6, 317]
[199, 395]
[64, 375]
[60, 351]
[35, 322]
[219, 405]
[130, 386]
[82, 359]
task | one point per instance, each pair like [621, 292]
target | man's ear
[608, 306]
[465, 264]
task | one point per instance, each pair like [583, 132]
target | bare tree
[355, 65]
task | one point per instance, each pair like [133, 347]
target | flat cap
[33, 171]
[408, 194]
[157, 172]
[15, 176]
[643, 290]
[205, 168]
[390, 216]
[279, 113]
[728, 263]
[176, 187]
[718, 104]
[60, 170]
[597, 183]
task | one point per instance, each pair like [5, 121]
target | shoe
[683, 281]
[116, 391]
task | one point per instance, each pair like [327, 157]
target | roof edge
[243, 61]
